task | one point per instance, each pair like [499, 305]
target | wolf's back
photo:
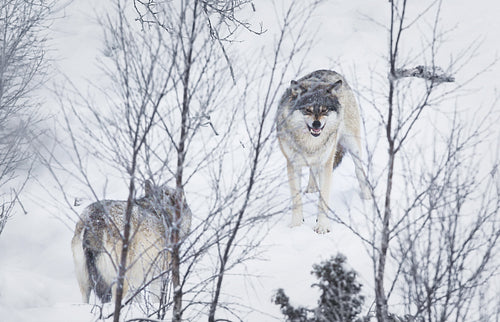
[321, 76]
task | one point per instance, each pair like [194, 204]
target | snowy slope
[37, 281]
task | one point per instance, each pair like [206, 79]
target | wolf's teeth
[315, 132]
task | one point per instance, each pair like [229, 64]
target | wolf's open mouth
[314, 131]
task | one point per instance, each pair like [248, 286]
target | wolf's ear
[296, 88]
[334, 87]
[148, 188]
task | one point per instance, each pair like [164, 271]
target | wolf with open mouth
[317, 121]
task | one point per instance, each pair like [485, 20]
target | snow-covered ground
[37, 281]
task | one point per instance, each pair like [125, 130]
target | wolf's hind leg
[83, 282]
[312, 186]
[81, 272]
[314, 177]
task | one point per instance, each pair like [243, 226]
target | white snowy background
[37, 280]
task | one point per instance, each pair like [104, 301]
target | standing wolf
[97, 242]
[317, 121]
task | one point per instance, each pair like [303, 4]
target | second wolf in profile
[317, 122]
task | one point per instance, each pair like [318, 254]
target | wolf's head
[166, 202]
[316, 103]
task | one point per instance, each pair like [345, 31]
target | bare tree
[118, 129]
[424, 238]
[452, 231]
[23, 66]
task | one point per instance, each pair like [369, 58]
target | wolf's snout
[315, 128]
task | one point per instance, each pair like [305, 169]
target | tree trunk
[122, 267]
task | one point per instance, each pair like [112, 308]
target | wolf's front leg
[325, 175]
[294, 181]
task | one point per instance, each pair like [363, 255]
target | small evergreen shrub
[340, 298]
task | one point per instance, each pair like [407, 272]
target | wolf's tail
[97, 281]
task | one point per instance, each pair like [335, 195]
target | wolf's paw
[311, 188]
[322, 227]
[296, 222]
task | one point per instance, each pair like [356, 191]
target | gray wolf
[97, 242]
[317, 122]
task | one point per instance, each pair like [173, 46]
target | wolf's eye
[307, 111]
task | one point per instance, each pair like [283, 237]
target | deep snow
[37, 281]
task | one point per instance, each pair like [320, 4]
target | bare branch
[434, 74]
